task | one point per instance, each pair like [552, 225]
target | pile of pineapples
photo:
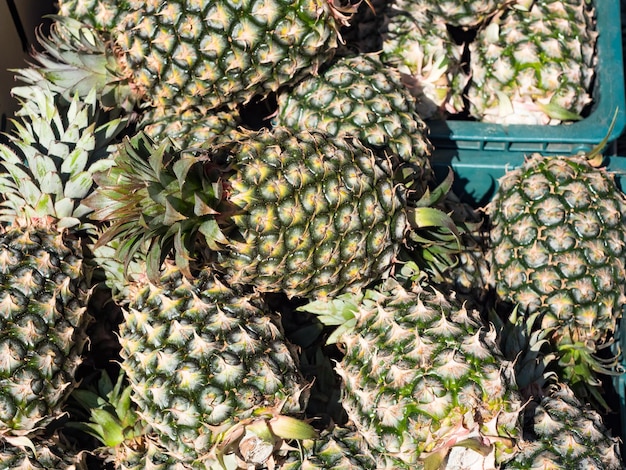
[222, 245]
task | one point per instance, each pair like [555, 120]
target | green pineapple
[48, 164]
[44, 453]
[210, 370]
[422, 376]
[559, 430]
[464, 13]
[558, 248]
[190, 128]
[420, 46]
[302, 213]
[358, 95]
[339, 448]
[564, 433]
[534, 67]
[185, 53]
[112, 418]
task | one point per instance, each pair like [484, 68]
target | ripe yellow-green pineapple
[358, 95]
[47, 169]
[558, 250]
[536, 66]
[422, 376]
[183, 53]
[303, 213]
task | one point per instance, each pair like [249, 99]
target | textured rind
[42, 325]
[222, 52]
[340, 448]
[520, 73]
[565, 433]
[421, 373]
[327, 223]
[419, 45]
[201, 358]
[358, 95]
[50, 453]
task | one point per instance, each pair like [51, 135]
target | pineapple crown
[77, 59]
[159, 196]
[48, 163]
[528, 348]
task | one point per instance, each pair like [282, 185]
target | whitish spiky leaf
[48, 159]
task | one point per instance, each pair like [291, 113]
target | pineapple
[420, 46]
[210, 370]
[101, 14]
[185, 53]
[52, 452]
[73, 47]
[48, 164]
[463, 13]
[338, 448]
[303, 213]
[358, 95]
[534, 67]
[558, 248]
[565, 433]
[422, 375]
[190, 128]
[127, 442]
[559, 430]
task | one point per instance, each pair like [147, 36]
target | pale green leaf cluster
[76, 59]
[49, 161]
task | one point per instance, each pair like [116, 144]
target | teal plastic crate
[463, 138]
[477, 172]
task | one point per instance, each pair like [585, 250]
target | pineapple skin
[42, 325]
[565, 433]
[222, 53]
[534, 67]
[192, 127]
[418, 44]
[202, 359]
[339, 448]
[360, 95]
[49, 453]
[462, 13]
[421, 374]
[329, 218]
[103, 15]
[558, 249]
